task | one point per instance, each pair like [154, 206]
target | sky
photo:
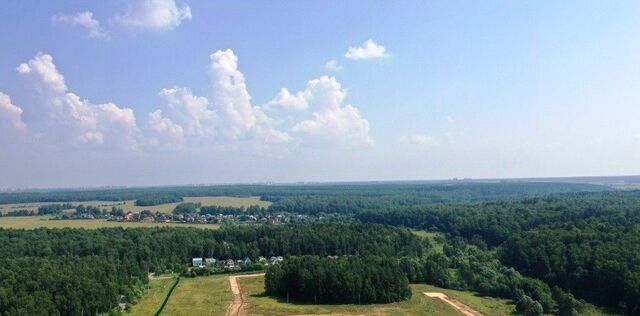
[136, 93]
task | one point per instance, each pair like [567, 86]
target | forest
[71, 271]
[342, 280]
[377, 194]
[550, 248]
[583, 243]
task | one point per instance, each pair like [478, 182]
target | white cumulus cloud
[287, 101]
[190, 112]
[154, 14]
[368, 50]
[332, 121]
[82, 19]
[10, 112]
[172, 133]
[79, 118]
[233, 102]
[332, 65]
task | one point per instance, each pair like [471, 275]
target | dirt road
[237, 306]
[462, 308]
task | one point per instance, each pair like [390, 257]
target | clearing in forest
[255, 302]
[153, 297]
[210, 295]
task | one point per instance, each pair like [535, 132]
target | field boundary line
[166, 299]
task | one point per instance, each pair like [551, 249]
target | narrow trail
[459, 306]
[238, 302]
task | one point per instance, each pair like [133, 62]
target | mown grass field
[153, 297]
[418, 305]
[129, 206]
[209, 295]
[33, 222]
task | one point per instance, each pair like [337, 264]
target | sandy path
[236, 308]
[462, 308]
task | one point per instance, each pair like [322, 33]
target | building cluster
[204, 219]
[230, 264]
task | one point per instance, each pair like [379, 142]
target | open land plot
[209, 295]
[434, 238]
[129, 205]
[153, 297]
[33, 222]
[419, 304]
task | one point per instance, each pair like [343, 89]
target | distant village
[188, 213]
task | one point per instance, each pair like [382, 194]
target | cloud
[420, 140]
[233, 102]
[154, 14]
[50, 79]
[166, 128]
[332, 121]
[190, 112]
[287, 101]
[76, 117]
[368, 50]
[332, 65]
[10, 112]
[82, 19]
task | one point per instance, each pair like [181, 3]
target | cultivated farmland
[129, 205]
[33, 222]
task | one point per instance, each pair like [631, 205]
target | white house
[196, 262]
[209, 261]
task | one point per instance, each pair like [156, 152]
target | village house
[196, 262]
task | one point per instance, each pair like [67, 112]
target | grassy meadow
[33, 222]
[418, 305]
[129, 205]
[153, 297]
[209, 295]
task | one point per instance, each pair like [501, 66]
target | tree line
[338, 280]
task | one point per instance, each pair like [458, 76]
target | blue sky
[442, 89]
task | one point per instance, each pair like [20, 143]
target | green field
[433, 238]
[259, 304]
[129, 206]
[209, 295]
[153, 297]
[32, 222]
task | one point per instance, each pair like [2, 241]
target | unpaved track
[459, 306]
[238, 301]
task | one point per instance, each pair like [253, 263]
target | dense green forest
[157, 199]
[583, 243]
[355, 280]
[368, 194]
[75, 271]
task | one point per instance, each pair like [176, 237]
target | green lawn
[418, 305]
[153, 297]
[209, 295]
